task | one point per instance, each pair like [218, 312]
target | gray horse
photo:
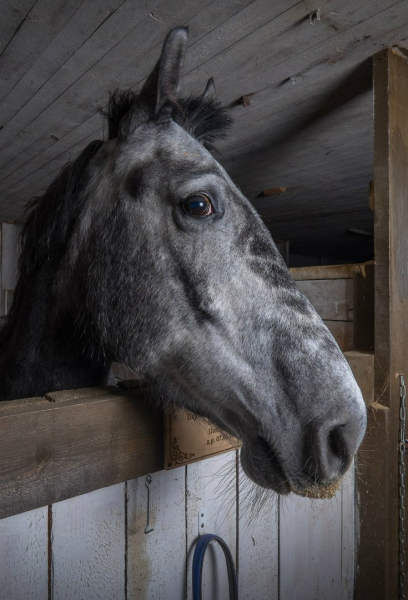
[143, 251]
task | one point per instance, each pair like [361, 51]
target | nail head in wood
[314, 16]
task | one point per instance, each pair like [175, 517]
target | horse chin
[260, 464]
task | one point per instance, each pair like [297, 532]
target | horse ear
[170, 68]
[209, 92]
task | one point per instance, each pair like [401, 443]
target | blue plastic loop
[198, 562]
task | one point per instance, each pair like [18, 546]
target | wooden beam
[377, 572]
[362, 365]
[71, 443]
[325, 272]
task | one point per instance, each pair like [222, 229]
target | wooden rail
[73, 442]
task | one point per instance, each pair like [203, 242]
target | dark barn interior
[297, 76]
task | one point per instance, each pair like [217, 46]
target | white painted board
[211, 489]
[23, 556]
[348, 534]
[88, 546]
[258, 547]
[156, 562]
[310, 539]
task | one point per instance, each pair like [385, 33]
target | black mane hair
[47, 229]
[204, 119]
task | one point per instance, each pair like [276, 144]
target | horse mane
[203, 118]
[47, 229]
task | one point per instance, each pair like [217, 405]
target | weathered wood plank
[310, 542]
[258, 545]
[323, 272]
[88, 546]
[24, 556]
[84, 440]
[73, 35]
[363, 308]
[12, 16]
[348, 534]
[211, 488]
[38, 29]
[362, 365]
[156, 567]
[342, 331]
[377, 573]
[332, 299]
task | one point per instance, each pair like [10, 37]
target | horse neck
[36, 357]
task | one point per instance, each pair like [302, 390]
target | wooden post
[377, 571]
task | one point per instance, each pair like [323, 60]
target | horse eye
[199, 205]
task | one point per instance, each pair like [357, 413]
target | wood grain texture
[258, 546]
[88, 546]
[322, 272]
[349, 538]
[211, 485]
[156, 562]
[362, 365]
[363, 308]
[24, 556]
[378, 551]
[39, 28]
[342, 331]
[13, 15]
[82, 441]
[332, 299]
[69, 41]
[310, 542]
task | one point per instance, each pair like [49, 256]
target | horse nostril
[336, 442]
[330, 449]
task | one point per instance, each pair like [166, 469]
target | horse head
[167, 268]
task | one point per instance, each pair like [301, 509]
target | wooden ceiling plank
[322, 54]
[42, 24]
[13, 16]
[73, 35]
[65, 146]
[285, 156]
[38, 184]
[279, 49]
[312, 174]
